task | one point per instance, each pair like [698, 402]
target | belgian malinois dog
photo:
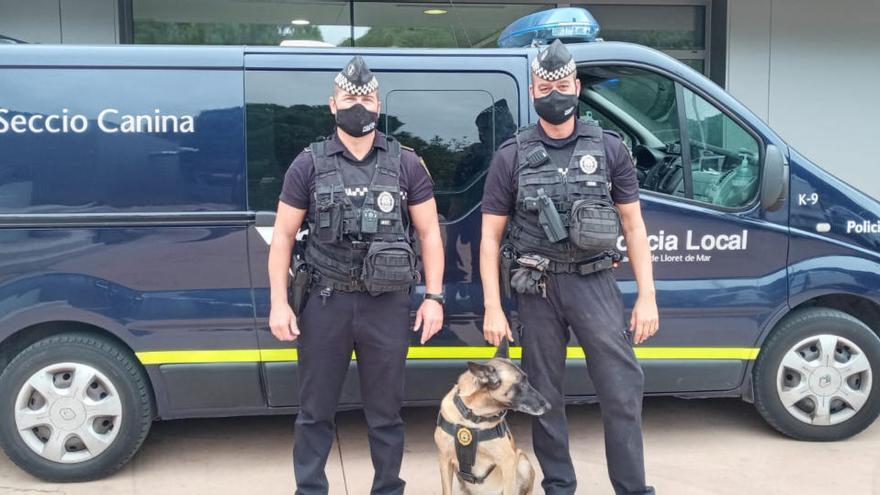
[475, 445]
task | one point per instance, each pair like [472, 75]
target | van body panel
[846, 258]
[157, 243]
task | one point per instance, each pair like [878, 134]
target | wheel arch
[858, 306]
[20, 339]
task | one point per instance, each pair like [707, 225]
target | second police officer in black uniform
[567, 188]
[359, 192]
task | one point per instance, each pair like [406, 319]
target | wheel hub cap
[68, 412]
[824, 380]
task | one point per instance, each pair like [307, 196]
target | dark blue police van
[138, 186]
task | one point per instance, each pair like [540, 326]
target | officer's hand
[495, 327]
[430, 316]
[644, 321]
[282, 322]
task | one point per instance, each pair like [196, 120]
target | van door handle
[265, 218]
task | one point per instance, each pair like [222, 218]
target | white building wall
[34, 21]
[60, 21]
[811, 69]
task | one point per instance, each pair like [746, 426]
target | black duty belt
[355, 284]
[466, 441]
[584, 268]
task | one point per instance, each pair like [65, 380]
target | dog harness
[467, 439]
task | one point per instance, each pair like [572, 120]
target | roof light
[568, 24]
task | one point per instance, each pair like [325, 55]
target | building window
[681, 29]
[204, 22]
[446, 24]
[677, 27]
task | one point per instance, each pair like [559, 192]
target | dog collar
[471, 416]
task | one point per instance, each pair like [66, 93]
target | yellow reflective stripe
[200, 356]
[436, 352]
[745, 353]
[267, 355]
[457, 352]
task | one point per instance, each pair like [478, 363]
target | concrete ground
[718, 446]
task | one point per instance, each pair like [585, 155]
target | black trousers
[592, 306]
[377, 329]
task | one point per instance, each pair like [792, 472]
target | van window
[285, 112]
[588, 112]
[724, 167]
[98, 140]
[724, 157]
[455, 132]
[450, 119]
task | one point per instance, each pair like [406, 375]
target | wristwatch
[440, 298]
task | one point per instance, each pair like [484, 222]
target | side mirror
[774, 184]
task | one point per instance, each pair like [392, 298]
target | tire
[803, 398]
[113, 410]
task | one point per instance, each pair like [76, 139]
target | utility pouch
[529, 277]
[389, 266]
[329, 228]
[299, 286]
[594, 225]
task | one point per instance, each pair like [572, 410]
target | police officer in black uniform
[363, 196]
[567, 189]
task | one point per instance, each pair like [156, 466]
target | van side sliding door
[454, 112]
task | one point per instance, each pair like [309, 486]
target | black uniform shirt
[299, 180]
[499, 196]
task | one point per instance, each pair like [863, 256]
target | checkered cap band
[350, 87]
[553, 75]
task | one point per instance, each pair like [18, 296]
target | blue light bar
[568, 24]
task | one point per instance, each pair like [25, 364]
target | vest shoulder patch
[613, 133]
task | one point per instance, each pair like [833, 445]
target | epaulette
[507, 143]
[407, 148]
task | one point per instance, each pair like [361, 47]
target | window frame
[681, 83]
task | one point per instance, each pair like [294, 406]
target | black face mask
[356, 120]
[556, 107]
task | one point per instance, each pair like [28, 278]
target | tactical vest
[366, 248]
[580, 192]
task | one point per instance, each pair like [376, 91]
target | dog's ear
[503, 350]
[486, 374]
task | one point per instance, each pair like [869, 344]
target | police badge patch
[464, 436]
[588, 164]
[385, 202]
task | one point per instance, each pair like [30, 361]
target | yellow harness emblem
[464, 436]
